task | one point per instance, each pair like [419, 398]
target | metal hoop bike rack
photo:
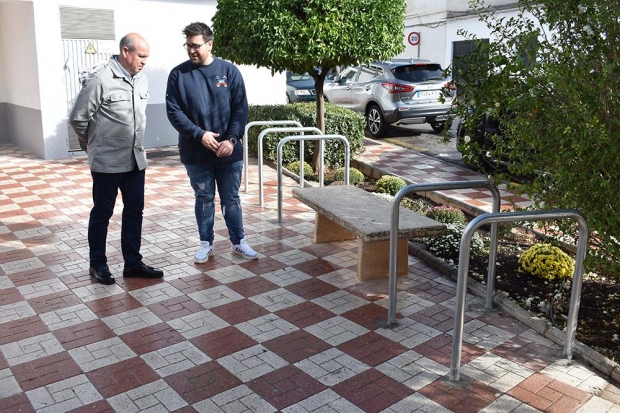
[263, 133]
[461, 286]
[245, 141]
[321, 138]
[394, 234]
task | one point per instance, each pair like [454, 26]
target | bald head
[134, 51]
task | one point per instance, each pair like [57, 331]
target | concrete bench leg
[373, 259]
[326, 230]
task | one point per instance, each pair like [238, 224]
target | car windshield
[296, 76]
[418, 73]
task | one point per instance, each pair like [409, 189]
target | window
[367, 73]
[418, 73]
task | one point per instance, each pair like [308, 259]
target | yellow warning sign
[90, 49]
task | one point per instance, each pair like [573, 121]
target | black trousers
[105, 190]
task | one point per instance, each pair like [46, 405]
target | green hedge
[338, 121]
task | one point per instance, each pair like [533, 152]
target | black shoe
[143, 271]
[102, 275]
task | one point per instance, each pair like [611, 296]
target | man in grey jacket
[109, 118]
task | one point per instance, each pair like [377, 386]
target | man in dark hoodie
[206, 103]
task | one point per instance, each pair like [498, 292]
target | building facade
[47, 45]
[431, 27]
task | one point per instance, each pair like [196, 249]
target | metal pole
[461, 289]
[305, 138]
[245, 141]
[261, 136]
[394, 230]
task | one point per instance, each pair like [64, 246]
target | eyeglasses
[193, 47]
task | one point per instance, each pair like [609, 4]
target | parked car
[299, 87]
[397, 92]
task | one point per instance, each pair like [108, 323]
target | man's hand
[209, 141]
[226, 149]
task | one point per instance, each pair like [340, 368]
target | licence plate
[426, 93]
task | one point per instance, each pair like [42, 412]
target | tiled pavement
[292, 331]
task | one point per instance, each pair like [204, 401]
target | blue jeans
[203, 179]
[105, 189]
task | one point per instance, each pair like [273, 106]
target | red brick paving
[202, 381]
[253, 286]
[45, 370]
[371, 316]
[152, 338]
[286, 386]
[372, 391]
[372, 349]
[116, 304]
[83, 334]
[174, 308]
[316, 267]
[549, 395]
[311, 289]
[121, 377]
[470, 399]
[305, 314]
[296, 346]
[239, 311]
[439, 349]
[223, 342]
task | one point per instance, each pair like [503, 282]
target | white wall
[20, 52]
[472, 25]
[2, 57]
[51, 77]
[32, 75]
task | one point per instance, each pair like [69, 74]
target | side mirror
[338, 79]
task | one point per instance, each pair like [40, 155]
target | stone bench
[348, 212]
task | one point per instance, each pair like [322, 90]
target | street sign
[414, 38]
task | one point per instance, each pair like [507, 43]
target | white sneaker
[203, 253]
[244, 250]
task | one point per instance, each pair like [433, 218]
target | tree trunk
[320, 116]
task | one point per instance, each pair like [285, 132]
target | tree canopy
[301, 35]
[310, 36]
[551, 76]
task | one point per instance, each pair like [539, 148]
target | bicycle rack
[263, 133]
[307, 138]
[461, 286]
[394, 235]
[245, 141]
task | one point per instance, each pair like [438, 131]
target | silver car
[398, 92]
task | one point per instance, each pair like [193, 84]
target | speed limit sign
[414, 38]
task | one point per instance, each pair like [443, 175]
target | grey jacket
[109, 118]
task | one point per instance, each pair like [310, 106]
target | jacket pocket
[116, 98]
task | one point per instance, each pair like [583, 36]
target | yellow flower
[547, 262]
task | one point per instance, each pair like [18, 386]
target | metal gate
[82, 57]
[87, 40]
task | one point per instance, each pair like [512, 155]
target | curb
[541, 326]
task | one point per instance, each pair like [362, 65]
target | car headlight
[304, 92]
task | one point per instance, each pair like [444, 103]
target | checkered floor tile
[293, 331]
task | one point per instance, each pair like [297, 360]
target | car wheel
[375, 122]
[438, 126]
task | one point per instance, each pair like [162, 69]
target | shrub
[448, 246]
[355, 176]
[446, 214]
[294, 168]
[338, 121]
[390, 184]
[546, 261]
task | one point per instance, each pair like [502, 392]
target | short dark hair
[196, 29]
[127, 41]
